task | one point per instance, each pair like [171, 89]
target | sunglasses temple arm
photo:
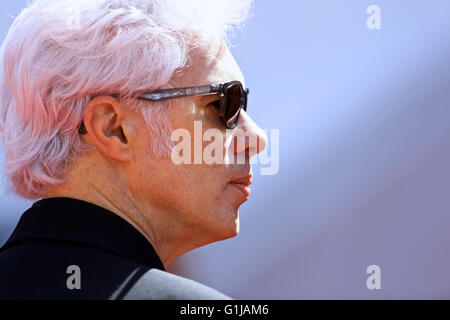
[172, 93]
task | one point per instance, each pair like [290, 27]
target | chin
[229, 228]
[220, 222]
[232, 232]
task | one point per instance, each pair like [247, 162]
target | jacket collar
[68, 219]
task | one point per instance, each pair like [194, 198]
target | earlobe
[103, 120]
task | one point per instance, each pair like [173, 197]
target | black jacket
[64, 248]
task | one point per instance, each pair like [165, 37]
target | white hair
[59, 54]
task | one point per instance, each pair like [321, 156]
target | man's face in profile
[201, 198]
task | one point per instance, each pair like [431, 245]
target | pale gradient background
[364, 119]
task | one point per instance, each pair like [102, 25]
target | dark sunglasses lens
[234, 98]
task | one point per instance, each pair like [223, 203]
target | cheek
[200, 182]
[182, 187]
[187, 186]
[194, 195]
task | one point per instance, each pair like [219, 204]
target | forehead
[211, 64]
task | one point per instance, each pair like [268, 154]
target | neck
[116, 198]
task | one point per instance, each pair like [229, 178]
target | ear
[103, 120]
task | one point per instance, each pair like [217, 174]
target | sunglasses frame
[221, 89]
[174, 93]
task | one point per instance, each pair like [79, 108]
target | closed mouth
[245, 189]
[243, 184]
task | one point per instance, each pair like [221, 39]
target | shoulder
[50, 269]
[160, 285]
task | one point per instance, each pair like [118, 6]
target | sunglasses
[233, 98]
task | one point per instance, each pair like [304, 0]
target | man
[92, 93]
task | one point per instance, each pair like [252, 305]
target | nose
[249, 137]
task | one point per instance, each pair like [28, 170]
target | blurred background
[364, 175]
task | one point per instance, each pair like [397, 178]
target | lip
[242, 184]
[245, 180]
[245, 189]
